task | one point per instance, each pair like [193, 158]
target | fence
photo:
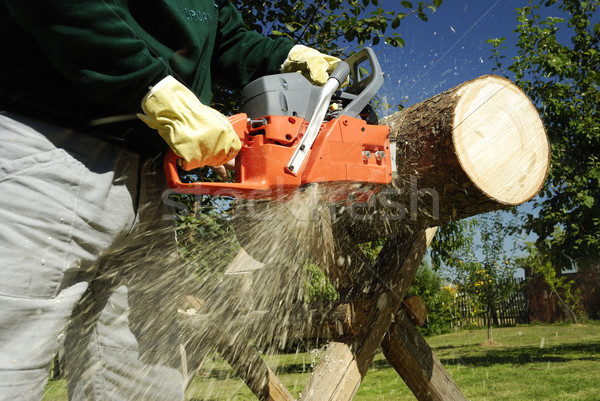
[510, 311]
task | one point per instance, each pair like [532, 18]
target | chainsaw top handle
[366, 79]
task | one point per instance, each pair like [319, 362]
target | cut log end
[500, 141]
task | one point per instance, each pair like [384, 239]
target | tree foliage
[556, 64]
[317, 287]
[204, 235]
[450, 240]
[482, 269]
[437, 297]
[333, 26]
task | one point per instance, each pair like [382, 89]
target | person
[87, 244]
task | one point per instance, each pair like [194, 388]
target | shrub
[438, 299]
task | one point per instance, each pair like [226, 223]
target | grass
[534, 362]
[543, 362]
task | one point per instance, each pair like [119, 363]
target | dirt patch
[490, 343]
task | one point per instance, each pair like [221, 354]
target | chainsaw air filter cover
[282, 95]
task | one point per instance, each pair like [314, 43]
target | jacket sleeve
[243, 54]
[91, 44]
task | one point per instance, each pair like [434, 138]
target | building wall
[543, 306]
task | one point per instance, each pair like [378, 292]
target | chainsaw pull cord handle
[336, 79]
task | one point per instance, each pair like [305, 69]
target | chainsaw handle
[239, 122]
[363, 87]
[230, 189]
[248, 189]
[341, 72]
[336, 79]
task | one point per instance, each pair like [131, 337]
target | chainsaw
[295, 134]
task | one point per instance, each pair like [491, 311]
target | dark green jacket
[85, 59]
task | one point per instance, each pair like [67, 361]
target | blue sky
[447, 50]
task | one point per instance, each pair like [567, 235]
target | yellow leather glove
[199, 134]
[315, 66]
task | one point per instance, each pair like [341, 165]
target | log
[475, 148]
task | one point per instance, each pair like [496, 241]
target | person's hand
[315, 66]
[221, 170]
[199, 134]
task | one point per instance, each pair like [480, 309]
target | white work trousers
[88, 258]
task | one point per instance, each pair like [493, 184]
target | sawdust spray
[254, 301]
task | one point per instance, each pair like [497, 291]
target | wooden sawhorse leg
[344, 363]
[250, 367]
[408, 352]
[339, 374]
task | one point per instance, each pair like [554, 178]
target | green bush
[317, 287]
[438, 299]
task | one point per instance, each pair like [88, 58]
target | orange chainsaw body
[350, 156]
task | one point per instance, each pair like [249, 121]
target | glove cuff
[155, 88]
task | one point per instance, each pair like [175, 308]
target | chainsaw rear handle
[256, 187]
[230, 189]
[239, 122]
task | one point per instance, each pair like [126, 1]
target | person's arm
[91, 43]
[243, 55]
[240, 55]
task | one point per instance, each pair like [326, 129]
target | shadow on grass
[444, 347]
[482, 356]
[203, 399]
[226, 373]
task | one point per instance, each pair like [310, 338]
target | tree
[451, 239]
[204, 235]
[483, 271]
[562, 78]
[437, 297]
[317, 288]
[334, 26]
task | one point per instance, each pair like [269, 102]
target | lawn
[534, 362]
